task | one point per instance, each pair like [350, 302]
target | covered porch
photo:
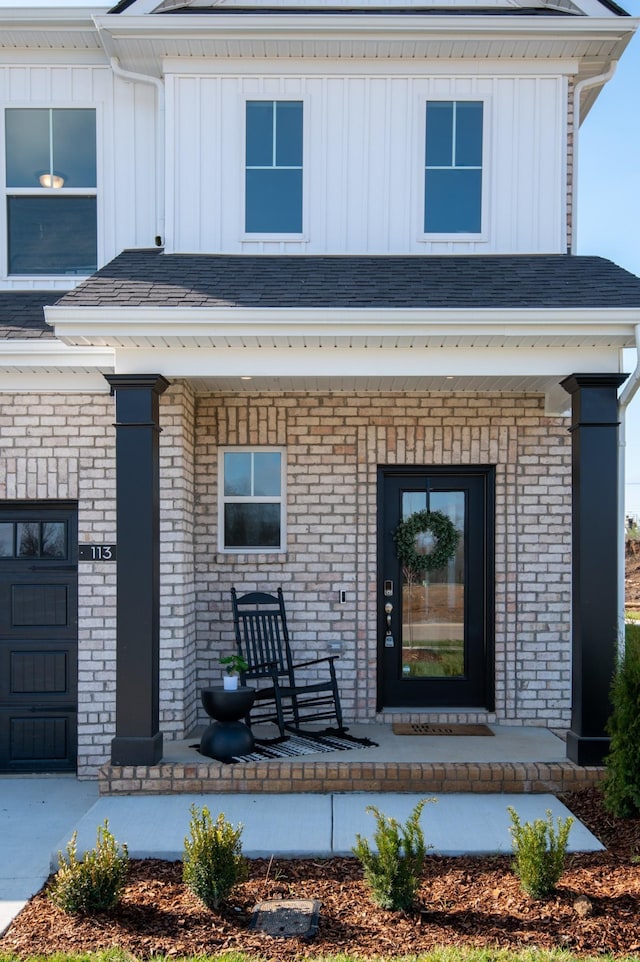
[512, 759]
[441, 369]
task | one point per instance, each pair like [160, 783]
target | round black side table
[227, 736]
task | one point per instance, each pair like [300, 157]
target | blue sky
[609, 202]
[608, 221]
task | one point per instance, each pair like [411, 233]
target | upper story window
[453, 167]
[273, 185]
[252, 499]
[51, 190]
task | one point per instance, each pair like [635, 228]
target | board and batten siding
[364, 161]
[126, 153]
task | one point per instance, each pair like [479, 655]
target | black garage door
[38, 637]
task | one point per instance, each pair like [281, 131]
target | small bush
[393, 873]
[95, 883]
[213, 861]
[539, 851]
[622, 781]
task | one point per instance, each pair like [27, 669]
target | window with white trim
[51, 190]
[273, 174]
[252, 499]
[453, 167]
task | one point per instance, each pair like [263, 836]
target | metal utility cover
[287, 918]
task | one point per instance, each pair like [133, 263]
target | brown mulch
[466, 901]
[632, 574]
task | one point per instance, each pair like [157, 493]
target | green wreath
[443, 530]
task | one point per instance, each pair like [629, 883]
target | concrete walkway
[39, 815]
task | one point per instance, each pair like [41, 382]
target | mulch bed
[465, 901]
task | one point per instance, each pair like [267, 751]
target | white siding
[125, 116]
[364, 150]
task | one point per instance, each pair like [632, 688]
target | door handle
[388, 637]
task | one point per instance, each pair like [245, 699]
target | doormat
[425, 728]
[303, 743]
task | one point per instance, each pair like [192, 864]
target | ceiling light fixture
[48, 179]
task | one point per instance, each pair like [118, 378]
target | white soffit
[145, 44]
[169, 327]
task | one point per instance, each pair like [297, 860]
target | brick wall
[62, 447]
[334, 445]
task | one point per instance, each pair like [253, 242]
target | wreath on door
[443, 530]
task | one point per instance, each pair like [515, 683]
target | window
[273, 185]
[51, 190]
[453, 167]
[252, 486]
[33, 539]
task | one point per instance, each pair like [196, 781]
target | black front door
[435, 644]
[38, 638]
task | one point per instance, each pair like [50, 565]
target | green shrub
[95, 883]
[622, 781]
[539, 851]
[213, 861]
[393, 872]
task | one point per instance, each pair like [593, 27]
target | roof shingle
[22, 315]
[150, 278]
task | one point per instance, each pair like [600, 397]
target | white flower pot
[230, 682]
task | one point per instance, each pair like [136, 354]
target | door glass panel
[433, 636]
[54, 539]
[28, 539]
[6, 540]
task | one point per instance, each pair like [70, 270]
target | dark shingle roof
[21, 313]
[151, 278]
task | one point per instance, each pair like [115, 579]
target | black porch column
[138, 740]
[594, 429]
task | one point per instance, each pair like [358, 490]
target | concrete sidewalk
[39, 815]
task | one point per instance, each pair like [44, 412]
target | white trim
[298, 237]
[253, 499]
[482, 236]
[36, 191]
[234, 322]
[46, 353]
[470, 361]
[45, 382]
[195, 26]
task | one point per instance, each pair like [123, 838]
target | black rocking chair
[262, 639]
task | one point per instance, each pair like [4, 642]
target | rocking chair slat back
[263, 642]
[262, 639]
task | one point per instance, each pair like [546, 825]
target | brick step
[287, 776]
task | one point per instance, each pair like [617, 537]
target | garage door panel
[37, 607]
[38, 740]
[37, 671]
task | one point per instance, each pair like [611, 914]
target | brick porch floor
[515, 759]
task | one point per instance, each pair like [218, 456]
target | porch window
[453, 167]
[51, 190]
[252, 499]
[273, 176]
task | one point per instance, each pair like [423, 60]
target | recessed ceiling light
[246, 377]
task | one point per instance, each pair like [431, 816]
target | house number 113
[96, 552]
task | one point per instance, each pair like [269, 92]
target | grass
[632, 632]
[448, 954]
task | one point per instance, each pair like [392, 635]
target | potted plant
[234, 665]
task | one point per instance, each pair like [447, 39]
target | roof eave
[84, 325]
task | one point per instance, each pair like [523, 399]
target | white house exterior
[273, 277]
